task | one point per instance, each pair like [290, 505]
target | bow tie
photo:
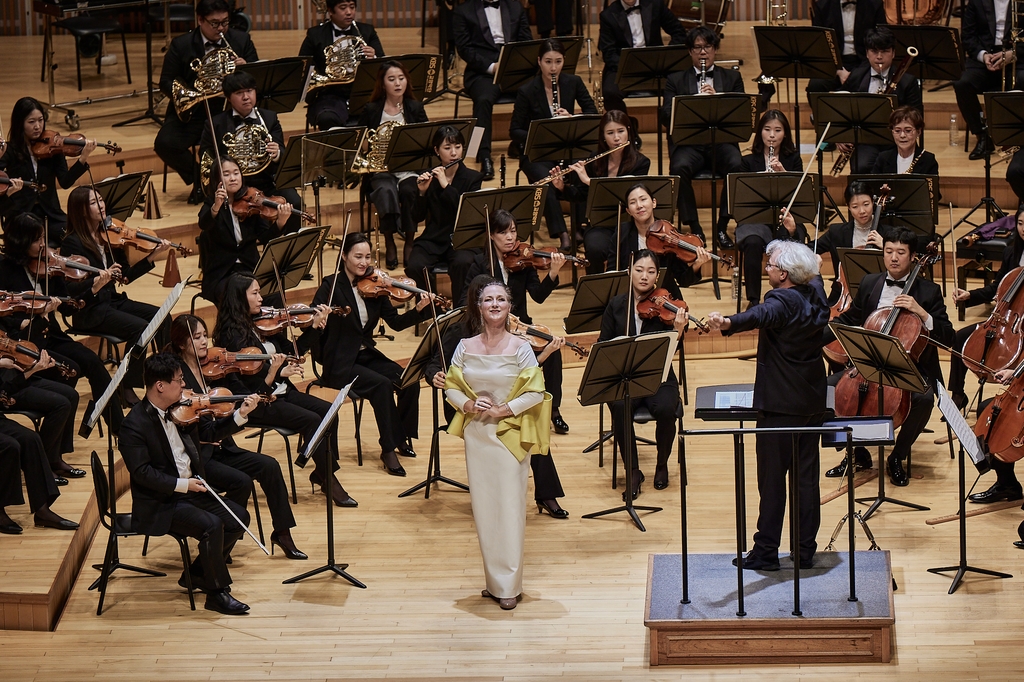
[878, 76]
[493, 5]
[338, 32]
[895, 283]
[243, 121]
[633, 9]
[215, 44]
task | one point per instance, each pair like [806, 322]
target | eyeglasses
[772, 266]
[904, 132]
[218, 24]
[702, 48]
[178, 380]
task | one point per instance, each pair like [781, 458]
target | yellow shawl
[521, 434]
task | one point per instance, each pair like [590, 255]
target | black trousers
[614, 98]
[233, 484]
[957, 368]
[199, 516]
[126, 319]
[1005, 476]
[329, 109]
[421, 258]
[173, 142]
[662, 406]
[552, 369]
[484, 93]
[599, 247]
[394, 202]
[546, 485]
[561, 20]
[267, 471]
[975, 80]
[687, 161]
[397, 419]
[535, 170]
[753, 251]
[20, 447]
[303, 413]
[86, 364]
[774, 462]
[1015, 175]
[59, 403]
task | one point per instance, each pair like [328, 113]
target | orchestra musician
[328, 106]
[688, 160]
[1015, 175]
[789, 391]
[621, 319]
[907, 125]
[437, 204]
[630, 23]
[28, 122]
[165, 466]
[884, 289]
[177, 135]
[394, 194]
[347, 349]
[560, 19]
[550, 94]
[480, 28]
[616, 129]
[503, 239]
[850, 20]
[1006, 487]
[856, 233]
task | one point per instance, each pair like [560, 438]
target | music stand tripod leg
[434, 461]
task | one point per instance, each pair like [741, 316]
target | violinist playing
[620, 320]
[504, 238]
[107, 310]
[228, 243]
[28, 122]
[885, 289]
[347, 349]
[789, 391]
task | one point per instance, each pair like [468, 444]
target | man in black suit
[884, 289]
[687, 159]
[167, 497]
[328, 105]
[481, 27]
[630, 23]
[850, 20]
[789, 391]
[988, 49]
[178, 134]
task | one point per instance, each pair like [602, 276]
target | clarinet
[554, 95]
[502, 171]
[703, 76]
[771, 158]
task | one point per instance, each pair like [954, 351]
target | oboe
[554, 95]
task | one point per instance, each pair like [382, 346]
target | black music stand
[645, 69]
[881, 360]
[608, 195]
[913, 201]
[856, 117]
[939, 52]
[412, 146]
[422, 69]
[149, 114]
[517, 62]
[328, 154]
[524, 203]
[292, 255]
[122, 194]
[858, 263]
[1004, 116]
[970, 444]
[622, 369]
[412, 374]
[797, 52]
[279, 82]
[566, 138]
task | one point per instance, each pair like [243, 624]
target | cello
[997, 342]
[1001, 424]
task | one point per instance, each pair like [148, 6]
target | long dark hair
[630, 156]
[786, 147]
[19, 234]
[79, 221]
[182, 329]
[17, 142]
[474, 318]
[379, 94]
[234, 321]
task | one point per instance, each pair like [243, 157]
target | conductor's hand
[788, 222]
[220, 198]
[196, 486]
[717, 322]
[249, 404]
[438, 380]
[961, 295]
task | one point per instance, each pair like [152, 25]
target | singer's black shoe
[222, 602]
[861, 460]
[559, 424]
[487, 168]
[897, 474]
[997, 493]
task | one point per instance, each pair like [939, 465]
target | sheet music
[161, 315]
[726, 400]
[115, 383]
[959, 425]
[331, 414]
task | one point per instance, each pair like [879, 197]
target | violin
[219, 402]
[32, 303]
[5, 181]
[253, 202]
[270, 321]
[377, 283]
[52, 143]
[523, 256]
[75, 268]
[26, 354]
[539, 336]
[660, 305]
[998, 341]
[139, 238]
[220, 362]
[662, 238]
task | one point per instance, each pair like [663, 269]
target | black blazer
[439, 208]
[829, 14]
[577, 191]
[321, 36]
[790, 377]
[256, 383]
[615, 34]
[221, 254]
[885, 163]
[147, 453]
[224, 123]
[52, 171]
[521, 283]
[685, 83]
[532, 103]
[616, 321]
[13, 277]
[189, 46]
[978, 29]
[1010, 261]
[473, 37]
[72, 246]
[908, 90]
[373, 111]
[754, 163]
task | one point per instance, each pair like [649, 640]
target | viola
[270, 321]
[52, 143]
[662, 238]
[998, 341]
[523, 256]
[659, 304]
[5, 181]
[139, 238]
[74, 268]
[253, 202]
[32, 303]
[377, 283]
[1001, 424]
[26, 354]
[220, 362]
[219, 402]
[539, 336]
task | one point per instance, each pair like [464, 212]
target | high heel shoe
[552, 508]
[661, 477]
[287, 546]
[338, 494]
[394, 468]
[638, 479]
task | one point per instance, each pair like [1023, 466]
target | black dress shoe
[1019, 544]
[897, 474]
[861, 460]
[661, 477]
[997, 493]
[724, 241]
[405, 450]
[552, 508]
[559, 424]
[71, 472]
[55, 522]
[10, 528]
[395, 468]
[222, 602]
[487, 168]
[755, 563]
[804, 563]
[287, 546]
[983, 147]
[60, 480]
[638, 479]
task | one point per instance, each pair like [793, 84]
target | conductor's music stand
[123, 194]
[293, 255]
[881, 360]
[422, 70]
[524, 203]
[279, 82]
[623, 369]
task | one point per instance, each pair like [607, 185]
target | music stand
[645, 69]
[328, 153]
[939, 52]
[149, 114]
[1004, 116]
[412, 146]
[622, 369]
[856, 117]
[422, 69]
[970, 444]
[797, 52]
[122, 194]
[517, 62]
[566, 138]
[279, 82]
[858, 263]
[412, 374]
[881, 360]
[608, 195]
[293, 255]
[309, 447]
[913, 201]
[524, 203]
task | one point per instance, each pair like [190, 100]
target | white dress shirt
[877, 85]
[1001, 7]
[849, 16]
[181, 458]
[493, 15]
[889, 294]
[636, 25]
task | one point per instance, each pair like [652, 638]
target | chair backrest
[101, 486]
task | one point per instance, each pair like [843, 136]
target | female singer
[620, 320]
[494, 380]
[107, 310]
[347, 349]
[189, 341]
[393, 194]
[293, 409]
[228, 243]
[616, 130]
[28, 121]
[438, 204]
[551, 94]
[773, 151]
[504, 238]
[906, 124]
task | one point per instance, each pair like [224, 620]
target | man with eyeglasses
[178, 134]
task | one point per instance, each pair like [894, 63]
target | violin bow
[437, 327]
[284, 304]
[807, 168]
[341, 253]
[199, 364]
[618, 235]
[104, 219]
[952, 237]
[631, 308]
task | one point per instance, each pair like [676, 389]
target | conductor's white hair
[795, 259]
